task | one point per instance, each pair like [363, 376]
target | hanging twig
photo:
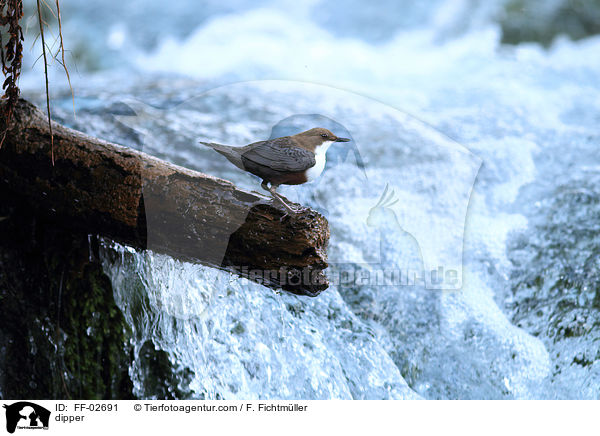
[39, 9]
[62, 51]
[11, 12]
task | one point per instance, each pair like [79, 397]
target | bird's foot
[294, 212]
[291, 212]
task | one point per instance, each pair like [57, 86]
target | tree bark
[134, 198]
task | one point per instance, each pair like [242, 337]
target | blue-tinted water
[491, 151]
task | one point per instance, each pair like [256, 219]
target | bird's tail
[223, 149]
[213, 145]
[227, 151]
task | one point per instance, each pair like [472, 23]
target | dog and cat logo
[26, 415]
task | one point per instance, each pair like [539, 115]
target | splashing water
[510, 202]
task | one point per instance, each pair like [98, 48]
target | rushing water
[495, 168]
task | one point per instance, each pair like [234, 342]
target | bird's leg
[280, 198]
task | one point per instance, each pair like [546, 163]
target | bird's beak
[342, 140]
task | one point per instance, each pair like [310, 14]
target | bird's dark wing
[279, 155]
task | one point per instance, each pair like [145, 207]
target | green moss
[64, 336]
[161, 379]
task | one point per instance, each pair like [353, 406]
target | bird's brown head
[313, 138]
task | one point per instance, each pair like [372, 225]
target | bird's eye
[324, 135]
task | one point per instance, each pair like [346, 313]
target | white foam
[518, 110]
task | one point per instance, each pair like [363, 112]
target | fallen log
[131, 197]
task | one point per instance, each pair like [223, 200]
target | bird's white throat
[320, 158]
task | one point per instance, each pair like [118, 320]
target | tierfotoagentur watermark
[347, 275]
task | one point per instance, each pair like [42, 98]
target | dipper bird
[289, 160]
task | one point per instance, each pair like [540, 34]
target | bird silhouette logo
[385, 219]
